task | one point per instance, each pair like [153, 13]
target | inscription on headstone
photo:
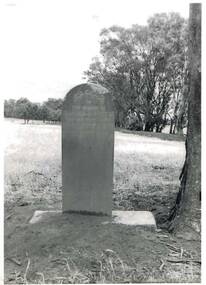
[87, 150]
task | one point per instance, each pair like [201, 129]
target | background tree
[43, 113]
[186, 212]
[23, 109]
[53, 107]
[9, 108]
[35, 111]
[142, 67]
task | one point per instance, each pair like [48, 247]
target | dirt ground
[71, 248]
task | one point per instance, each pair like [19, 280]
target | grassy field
[146, 171]
[146, 168]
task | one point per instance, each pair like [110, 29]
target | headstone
[87, 150]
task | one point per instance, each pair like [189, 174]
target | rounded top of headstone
[88, 93]
[88, 87]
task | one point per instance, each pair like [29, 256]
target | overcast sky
[49, 44]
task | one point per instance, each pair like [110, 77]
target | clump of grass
[107, 268]
[110, 268]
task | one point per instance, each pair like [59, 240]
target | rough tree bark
[186, 212]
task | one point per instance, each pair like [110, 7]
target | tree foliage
[144, 68]
[24, 109]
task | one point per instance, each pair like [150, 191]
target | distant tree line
[146, 70]
[49, 111]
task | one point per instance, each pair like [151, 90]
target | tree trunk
[186, 212]
[171, 125]
[180, 121]
[149, 127]
[157, 129]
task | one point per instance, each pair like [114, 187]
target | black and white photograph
[101, 141]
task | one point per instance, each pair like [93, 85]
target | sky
[47, 45]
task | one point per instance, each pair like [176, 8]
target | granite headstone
[87, 150]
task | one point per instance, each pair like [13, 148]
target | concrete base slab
[38, 216]
[130, 218]
[134, 218]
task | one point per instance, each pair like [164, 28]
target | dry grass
[146, 169]
[110, 268]
[33, 162]
[146, 160]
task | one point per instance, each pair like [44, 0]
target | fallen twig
[9, 216]
[26, 271]
[162, 264]
[181, 253]
[174, 254]
[172, 247]
[59, 261]
[14, 260]
[63, 278]
[183, 261]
